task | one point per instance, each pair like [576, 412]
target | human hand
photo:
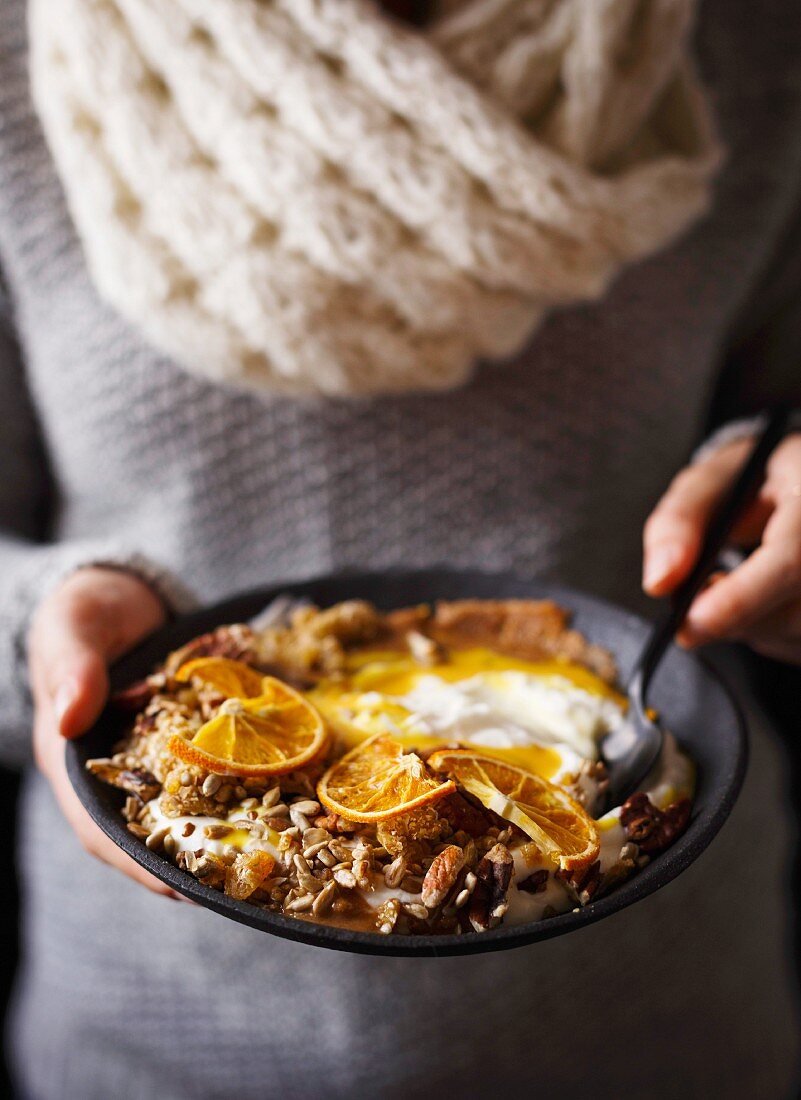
[759, 602]
[92, 618]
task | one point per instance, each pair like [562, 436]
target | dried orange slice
[233, 679]
[559, 826]
[276, 732]
[377, 780]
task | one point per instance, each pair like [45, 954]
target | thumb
[94, 617]
[78, 687]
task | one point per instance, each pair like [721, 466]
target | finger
[675, 529]
[788, 651]
[96, 615]
[69, 674]
[770, 577]
[778, 635]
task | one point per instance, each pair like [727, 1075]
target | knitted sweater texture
[111, 452]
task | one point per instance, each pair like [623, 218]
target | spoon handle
[731, 508]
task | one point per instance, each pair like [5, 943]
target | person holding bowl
[294, 286]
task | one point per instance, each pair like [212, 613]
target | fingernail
[65, 696]
[660, 563]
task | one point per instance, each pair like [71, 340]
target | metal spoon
[631, 751]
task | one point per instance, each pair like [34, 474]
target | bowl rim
[94, 795]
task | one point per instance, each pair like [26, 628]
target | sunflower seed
[301, 864]
[345, 878]
[270, 798]
[301, 904]
[208, 864]
[279, 809]
[216, 832]
[307, 806]
[415, 909]
[325, 899]
[470, 881]
[211, 784]
[170, 845]
[225, 793]
[185, 779]
[461, 898]
[314, 849]
[312, 836]
[155, 840]
[326, 858]
[132, 807]
[298, 819]
[255, 827]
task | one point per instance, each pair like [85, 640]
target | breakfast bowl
[692, 700]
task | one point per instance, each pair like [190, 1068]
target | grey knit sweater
[550, 465]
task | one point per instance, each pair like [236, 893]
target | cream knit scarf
[305, 196]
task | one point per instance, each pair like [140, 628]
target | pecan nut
[136, 781]
[535, 883]
[441, 876]
[489, 901]
[237, 642]
[462, 814]
[652, 829]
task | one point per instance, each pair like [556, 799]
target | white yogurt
[240, 839]
[511, 709]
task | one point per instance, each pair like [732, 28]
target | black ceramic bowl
[695, 704]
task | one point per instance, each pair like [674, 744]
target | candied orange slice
[233, 679]
[559, 826]
[378, 780]
[276, 732]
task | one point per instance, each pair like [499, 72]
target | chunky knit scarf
[308, 196]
